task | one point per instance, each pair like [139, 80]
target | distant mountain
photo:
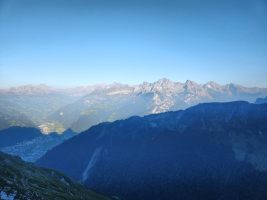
[10, 116]
[55, 110]
[261, 100]
[34, 103]
[209, 151]
[121, 101]
[13, 118]
[24, 181]
[34, 148]
[15, 135]
[43, 90]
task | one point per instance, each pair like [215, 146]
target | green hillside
[21, 180]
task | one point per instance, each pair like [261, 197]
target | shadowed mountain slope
[14, 135]
[209, 151]
[31, 148]
[261, 100]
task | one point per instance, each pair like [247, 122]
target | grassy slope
[31, 182]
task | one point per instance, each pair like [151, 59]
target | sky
[77, 42]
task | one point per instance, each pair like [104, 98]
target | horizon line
[122, 83]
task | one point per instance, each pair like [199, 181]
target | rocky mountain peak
[190, 83]
[212, 85]
[163, 81]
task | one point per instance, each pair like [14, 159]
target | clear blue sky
[74, 42]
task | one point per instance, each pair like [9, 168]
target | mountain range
[208, 151]
[79, 108]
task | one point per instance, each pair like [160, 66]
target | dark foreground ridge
[212, 151]
[24, 181]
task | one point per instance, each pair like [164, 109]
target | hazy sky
[66, 43]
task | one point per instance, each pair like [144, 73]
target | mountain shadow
[209, 151]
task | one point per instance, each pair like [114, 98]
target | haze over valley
[55, 110]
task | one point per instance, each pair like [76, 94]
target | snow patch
[120, 92]
[64, 181]
[91, 163]
[5, 196]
